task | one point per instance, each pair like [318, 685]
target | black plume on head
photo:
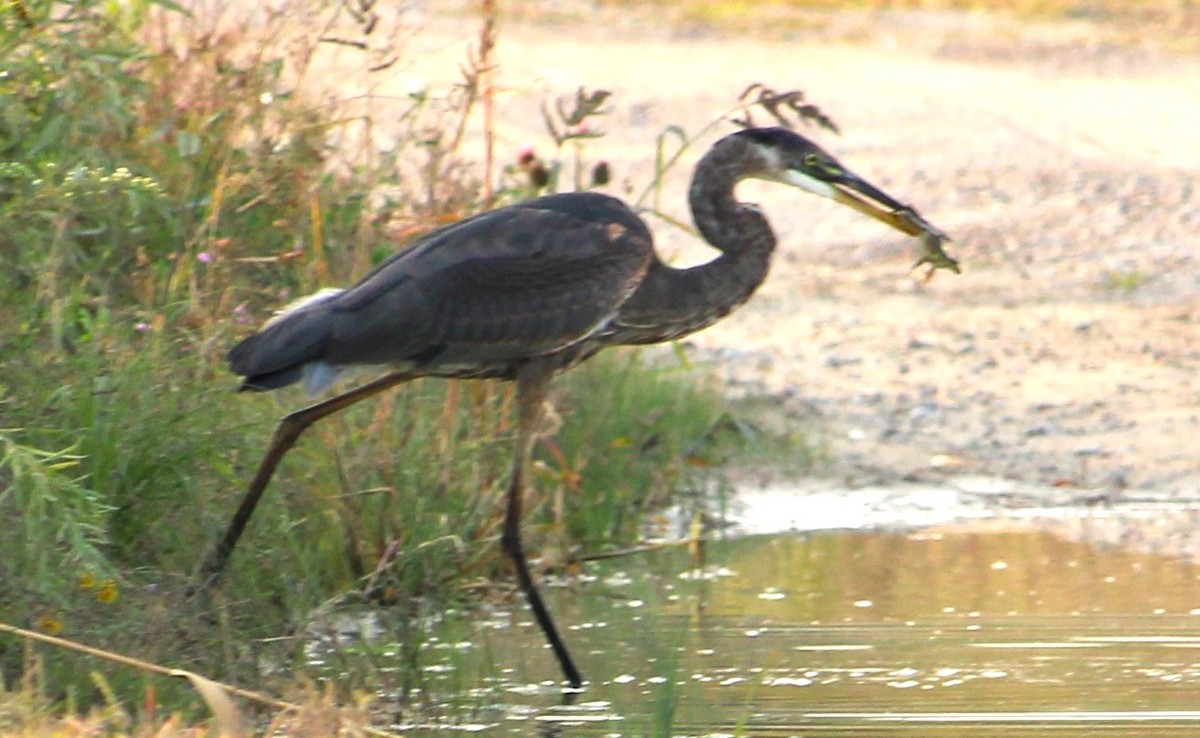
[776, 137]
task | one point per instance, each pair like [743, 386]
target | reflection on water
[865, 633]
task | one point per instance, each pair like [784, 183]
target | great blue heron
[528, 290]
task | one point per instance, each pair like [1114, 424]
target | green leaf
[51, 134]
[172, 6]
[187, 144]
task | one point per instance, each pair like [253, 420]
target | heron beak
[853, 191]
[849, 189]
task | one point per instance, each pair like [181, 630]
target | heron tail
[289, 348]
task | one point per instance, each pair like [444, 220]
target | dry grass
[1172, 25]
[28, 710]
[25, 714]
[1053, 8]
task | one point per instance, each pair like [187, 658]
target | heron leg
[286, 433]
[533, 381]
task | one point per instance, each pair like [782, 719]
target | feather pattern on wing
[469, 299]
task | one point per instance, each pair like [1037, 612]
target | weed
[1124, 281]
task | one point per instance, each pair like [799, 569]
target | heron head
[792, 159]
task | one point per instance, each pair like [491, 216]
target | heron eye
[811, 160]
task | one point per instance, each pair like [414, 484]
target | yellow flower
[107, 591]
[49, 624]
[86, 581]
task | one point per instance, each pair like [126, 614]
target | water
[846, 633]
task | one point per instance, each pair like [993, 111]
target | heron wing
[512, 283]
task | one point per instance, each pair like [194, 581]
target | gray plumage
[559, 275]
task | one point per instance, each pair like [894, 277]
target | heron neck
[738, 230]
[674, 302]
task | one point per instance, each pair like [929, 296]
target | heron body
[558, 275]
[473, 299]
[525, 291]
